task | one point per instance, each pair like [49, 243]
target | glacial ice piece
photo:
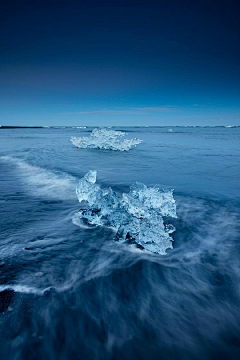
[136, 216]
[105, 139]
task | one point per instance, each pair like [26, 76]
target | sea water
[71, 290]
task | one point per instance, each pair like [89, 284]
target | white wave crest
[43, 182]
[21, 289]
[136, 216]
[105, 139]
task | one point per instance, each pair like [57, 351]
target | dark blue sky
[119, 62]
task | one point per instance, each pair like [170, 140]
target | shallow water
[71, 292]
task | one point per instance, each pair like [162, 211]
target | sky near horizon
[130, 63]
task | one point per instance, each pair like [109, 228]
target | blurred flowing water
[69, 292]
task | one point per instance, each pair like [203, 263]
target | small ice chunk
[10, 309]
[39, 273]
[105, 139]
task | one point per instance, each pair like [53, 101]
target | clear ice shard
[137, 216]
[105, 139]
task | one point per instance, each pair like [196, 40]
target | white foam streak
[43, 182]
[22, 289]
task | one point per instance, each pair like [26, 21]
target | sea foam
[42, 182]
[137, 216]
[105, 139]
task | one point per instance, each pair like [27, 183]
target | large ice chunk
[105, 139]
[137, 216]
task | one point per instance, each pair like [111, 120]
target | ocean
[71, 291]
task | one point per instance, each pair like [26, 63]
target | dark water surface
[69, 292]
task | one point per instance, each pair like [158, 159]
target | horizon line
[106, 126]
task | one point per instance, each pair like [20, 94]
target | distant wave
[136, 216]
[105, 139]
